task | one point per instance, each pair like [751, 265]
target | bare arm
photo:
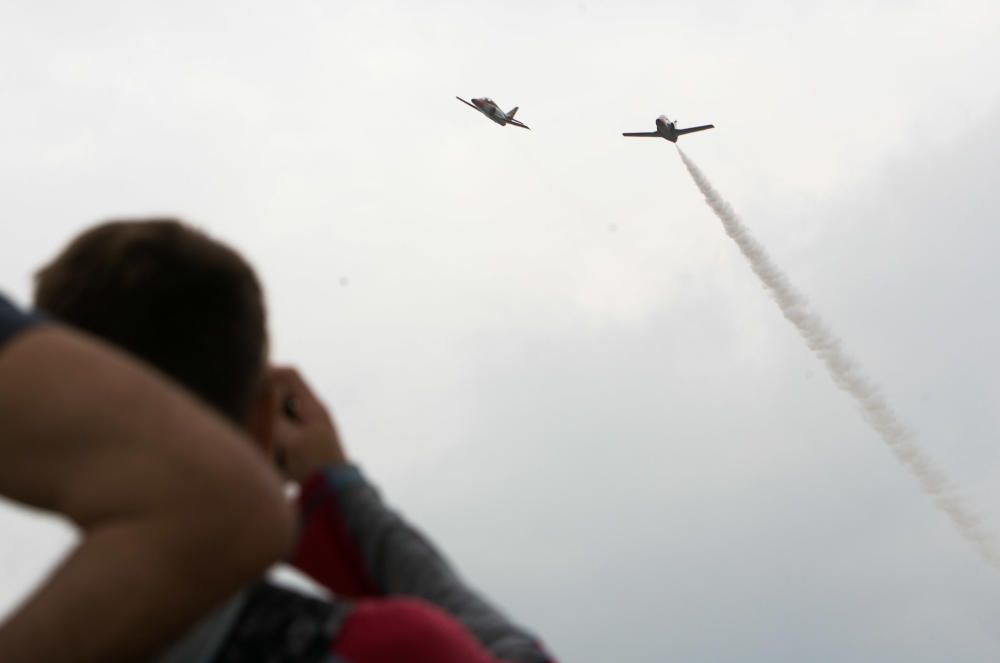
[175, 510]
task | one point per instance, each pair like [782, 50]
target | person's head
[171, 295]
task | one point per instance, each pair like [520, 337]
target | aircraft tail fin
[511, 113]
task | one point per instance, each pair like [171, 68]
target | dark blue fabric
[12, 320]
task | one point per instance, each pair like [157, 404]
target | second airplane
[667, 129]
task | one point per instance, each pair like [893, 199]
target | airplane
[667, 129]
[489, 108]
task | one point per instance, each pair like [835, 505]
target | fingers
[290, 442]
[281, 460]
[304, 438]
[296, 399]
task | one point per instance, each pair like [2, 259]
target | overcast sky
[541, 344]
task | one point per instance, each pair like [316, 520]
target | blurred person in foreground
[193, 308]
[150, 477]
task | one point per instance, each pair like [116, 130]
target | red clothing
[326, 551]
[393, 630]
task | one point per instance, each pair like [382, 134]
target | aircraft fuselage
[489, 108]
[666, 128]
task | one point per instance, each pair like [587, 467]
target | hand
[304, 436]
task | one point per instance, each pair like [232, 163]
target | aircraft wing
[518, 123]
[644, 134]
[471, 105]
[681, 132]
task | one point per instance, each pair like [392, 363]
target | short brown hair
[171, 295]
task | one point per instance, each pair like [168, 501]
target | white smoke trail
[845, 371]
